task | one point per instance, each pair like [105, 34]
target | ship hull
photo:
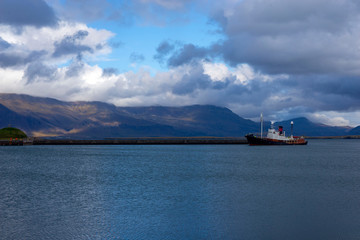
[253, 140]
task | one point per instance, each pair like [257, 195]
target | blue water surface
[181, 191]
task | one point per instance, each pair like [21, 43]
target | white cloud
[169, 4]
[216, 71]
[243, 73]
[10, 80]
[334, 118]
[258, 44]
[328, 119]
[43, 39]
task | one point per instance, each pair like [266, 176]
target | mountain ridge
[48, 117]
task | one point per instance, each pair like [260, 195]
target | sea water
[181, 191]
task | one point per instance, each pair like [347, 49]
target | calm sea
[181, 192]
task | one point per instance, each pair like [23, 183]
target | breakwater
[144, 141]
[11, 142]
[335, 137]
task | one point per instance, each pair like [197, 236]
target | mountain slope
[74, 119]
[97, 120]
[26, 123]
[304, 127]
[207, 119]
[355, 131]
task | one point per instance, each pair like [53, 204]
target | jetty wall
[11, 142]
[142, 141]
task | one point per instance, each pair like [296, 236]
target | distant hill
[199, 119]
[9, 117]
[304, 127]
[47, 117]
[355, 131]
[10, 132]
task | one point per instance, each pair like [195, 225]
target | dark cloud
[186, 54]
[80, 35]
[116, 44]
[163, 50]
[291, 56]
[152, 12]
[136, 57]
[125, 12]
[99, 46]
[197, 80]
[14, 60]
[20, 13]
[293, 37]
[314, 43]
[38, 70]
[189, 84]
[109, 71]
[326, 93]
[279, 17]
[219, 85]
[177, 54]
[336, 85]
[35, 56]
[84, 10]
[70, 45]
[295, 96]
[4, 44]
[76, 66]
[123, 16]
[281, 96]
[10, 60]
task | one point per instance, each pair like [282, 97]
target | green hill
[10, 132]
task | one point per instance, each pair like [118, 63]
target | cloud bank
[283, 58]
[18, 13]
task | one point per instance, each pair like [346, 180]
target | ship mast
[261, 124]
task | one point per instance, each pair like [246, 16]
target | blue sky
[143, 39]
[285, 58]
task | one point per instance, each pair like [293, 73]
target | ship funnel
[280, 130]
[292, 128]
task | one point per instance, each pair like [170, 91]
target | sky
[284, 58]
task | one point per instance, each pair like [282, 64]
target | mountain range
[51, 118]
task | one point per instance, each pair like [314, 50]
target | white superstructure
[278, 135]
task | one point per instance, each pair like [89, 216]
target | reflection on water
[181, 192]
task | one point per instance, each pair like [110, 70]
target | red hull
[253, 140]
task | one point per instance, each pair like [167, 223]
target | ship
[275, 137]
